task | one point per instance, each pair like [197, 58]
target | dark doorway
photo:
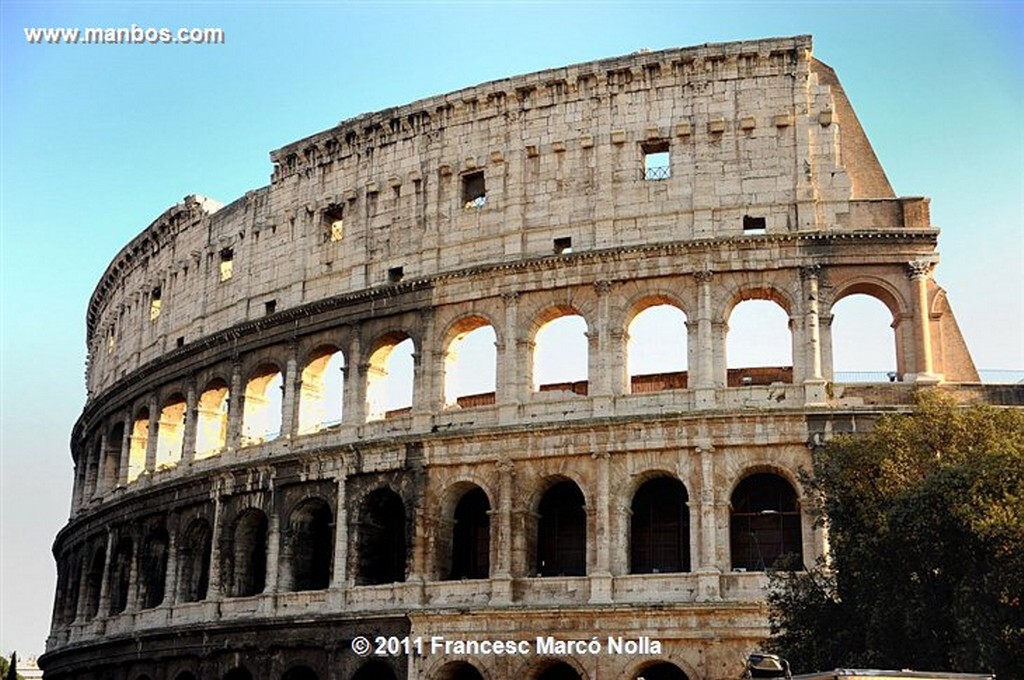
[471, 536]
[660, 528]
[562, 532]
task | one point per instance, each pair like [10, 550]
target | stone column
[188, 447]
[708, 583]
[427, 394]
[510, 372]
[213, 590]
[132, 598]
[171, 575]
[814, 381]
[501, 572]
[152, 436]
[354, 410]
[604, 367]
[338, 574]
[236, 405]
[291, 381]
[273, 546]
[103, 609]
[126, 447]
[704, 380]
[918, 272]
[601, 578]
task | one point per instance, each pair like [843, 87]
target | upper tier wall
[750, 131]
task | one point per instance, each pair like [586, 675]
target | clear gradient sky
[97, 141]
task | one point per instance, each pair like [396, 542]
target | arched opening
[309, 547]
[94, 583]
[139, 443]
[382, 539]
[558, 670]
[112, 456]
[74, 583]
[764, 523]
[660, 528]
[120, 575]
[863, 340]
[562, 531]
[185, 675]
[170, 434]
[389, 378]
[375, 670]
[471, 364]
[471, 536]
[153, 568]
[656, 352]
[196, 549]
[300, 673]
[458, 670]
[212, 419]
[661, 670]
[247, 557]
[560, 355]
[759, 347]
[321, 394]
[261, 416]
[240, 673]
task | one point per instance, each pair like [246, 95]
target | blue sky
[98, 140]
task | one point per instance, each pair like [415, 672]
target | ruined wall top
[714, 143]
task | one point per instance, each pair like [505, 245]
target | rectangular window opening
[269, 307]
[753, 225]
[227, 264]
[396, 274]
[657, 161]
[474, 191]
[563, 246]
[154, 304]
[180, 341]
[334, 222]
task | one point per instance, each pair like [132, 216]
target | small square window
[154, 304]
[180, 342]
[269, 307]
[227, 264]
[753, 225]
[334, 222]
[563, 246]
[396, 274]
[474, 191]
[657, 161]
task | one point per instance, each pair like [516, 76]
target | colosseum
[260, 492]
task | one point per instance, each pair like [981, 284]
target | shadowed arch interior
[309, 547]
[153, 568]
[562, 531]
[764, 523]
[661, 670]
[194, 558]
[458, 670]
[382, 539]
[559, 670]
[375, 670]
[660, 528]
[247, 558]
[471, 536]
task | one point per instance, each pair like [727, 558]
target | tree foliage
[925, 521]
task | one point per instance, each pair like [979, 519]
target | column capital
[919, 269]
[603, 287]
[703, 276]
[810, 271]
[510, 297]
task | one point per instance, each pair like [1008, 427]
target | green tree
[5, 668]
[925, 521]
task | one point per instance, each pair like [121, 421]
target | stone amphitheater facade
[223, 528]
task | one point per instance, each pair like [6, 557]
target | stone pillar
[427, 394]
[918, 272]
[103, 609]
[213, 590]
[291, 381]
[83, 588]
[236, 406]
[354, 410]
[501, 572]
[338, 574]
[126, 447]
[188, 447]
[152, 436]
[704, 377]
[604, 367]
[132, 599]
[509, 372]
[273, 547]
[814, 381]
[708, 571]
[601, 578]
[171, 575]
